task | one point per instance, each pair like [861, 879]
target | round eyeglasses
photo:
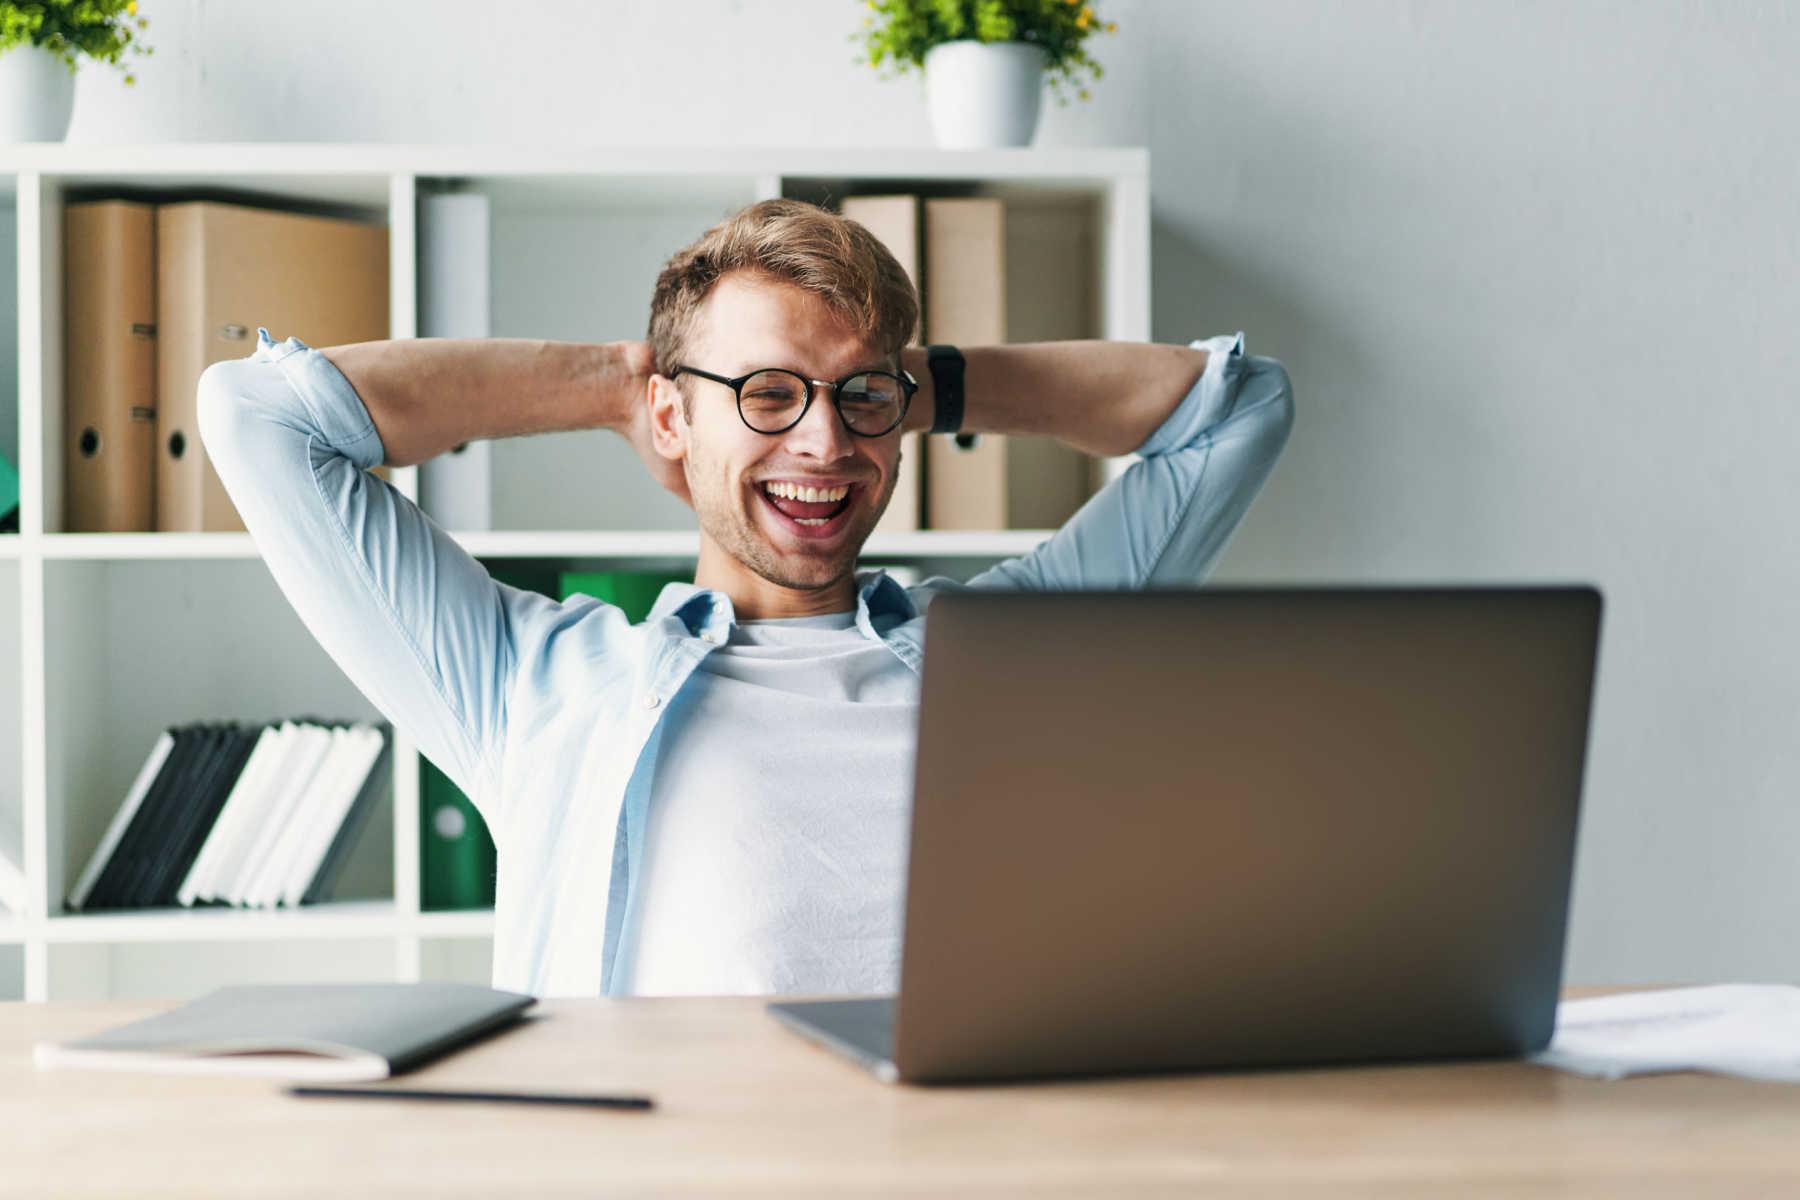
[772, 400]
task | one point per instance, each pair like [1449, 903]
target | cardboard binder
[109, 352]
[223, 270]
[978, 294]
[894, 220]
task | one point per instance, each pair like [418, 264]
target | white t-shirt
[775, 863]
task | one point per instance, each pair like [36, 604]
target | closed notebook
[327, 1031]
[108, 890]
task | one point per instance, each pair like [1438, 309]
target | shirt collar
[881, 603]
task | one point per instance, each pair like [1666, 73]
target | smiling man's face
[743, 483]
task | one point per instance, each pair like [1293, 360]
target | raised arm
[1207, 420]
[1103, 398]
[417, 625]
[428, 395]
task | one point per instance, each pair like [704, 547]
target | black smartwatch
[946, 363]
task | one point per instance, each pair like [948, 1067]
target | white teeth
[811, 520]
[813, 495]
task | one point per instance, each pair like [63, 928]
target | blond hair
[813, 248]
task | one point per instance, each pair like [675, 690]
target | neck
[754, 598]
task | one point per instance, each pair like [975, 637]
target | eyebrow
[768, 366]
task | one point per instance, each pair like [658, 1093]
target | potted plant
[41, 44]
[985, 61]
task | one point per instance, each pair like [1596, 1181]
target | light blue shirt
[548, 714]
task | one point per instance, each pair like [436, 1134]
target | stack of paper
[1750, 1030]
[227, 812]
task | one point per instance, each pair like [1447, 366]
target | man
[715, 800]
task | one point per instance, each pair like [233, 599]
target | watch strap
[946, 363]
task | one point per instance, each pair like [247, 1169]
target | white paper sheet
[1743, 1029]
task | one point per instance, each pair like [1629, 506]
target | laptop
[1233, 827]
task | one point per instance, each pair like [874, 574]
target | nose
[820, 434]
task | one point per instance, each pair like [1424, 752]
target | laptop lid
[1233, 827]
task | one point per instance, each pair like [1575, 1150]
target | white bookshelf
[105, 639]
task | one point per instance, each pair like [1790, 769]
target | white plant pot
[984, 94]
[37, 95]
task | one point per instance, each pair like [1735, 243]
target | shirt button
[652, 700]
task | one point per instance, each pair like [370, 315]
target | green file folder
[456, 851]
[633, 591]
[9, 497]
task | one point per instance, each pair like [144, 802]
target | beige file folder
[223, 270]
[894, 220]
[109, 356]
[972, 299]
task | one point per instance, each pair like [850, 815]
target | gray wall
[1534, 270]
[1532, 267]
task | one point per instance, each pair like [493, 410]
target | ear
[668, 427]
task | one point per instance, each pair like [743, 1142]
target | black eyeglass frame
[908, 386]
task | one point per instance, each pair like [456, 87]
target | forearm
[1100, 397]
[428, 395]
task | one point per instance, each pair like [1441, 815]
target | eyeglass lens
[771, 401]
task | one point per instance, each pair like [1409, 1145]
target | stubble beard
[736, 533]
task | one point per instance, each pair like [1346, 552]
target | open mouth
[809, 510]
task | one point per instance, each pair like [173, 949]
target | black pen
[594, 1101]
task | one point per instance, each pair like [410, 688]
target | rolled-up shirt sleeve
[1168, 517]
[418, 625]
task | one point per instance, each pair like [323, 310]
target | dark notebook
[187, 833]
[325, 1031]
[148, 853]
[109, 889]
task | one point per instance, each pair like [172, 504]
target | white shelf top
[335, 919]
[936, 543]
[473, 923]
[561, 178]
[147, 545]
[324, 158]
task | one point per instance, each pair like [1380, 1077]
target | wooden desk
[747, 1108]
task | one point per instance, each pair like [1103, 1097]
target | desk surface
[747, 1108]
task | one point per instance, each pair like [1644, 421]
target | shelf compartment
[575, 258]
[132, 648]
[457, 960]
[364, 198]
[12, 969]
[179, 971]
[12, 722]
